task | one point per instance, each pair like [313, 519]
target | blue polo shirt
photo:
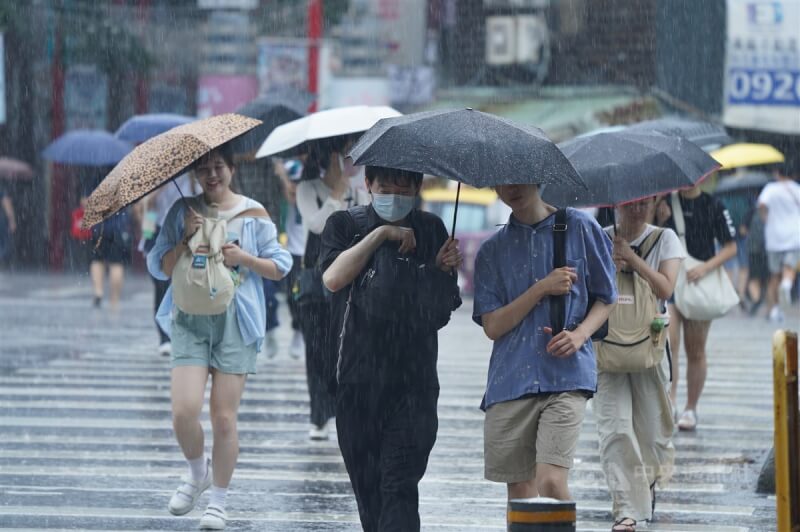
[510, 262]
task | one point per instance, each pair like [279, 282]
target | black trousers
[161, 289]
[386, 435]
[321, 355]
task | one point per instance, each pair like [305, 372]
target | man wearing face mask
[386, 372]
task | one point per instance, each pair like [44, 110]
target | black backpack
[395, 287]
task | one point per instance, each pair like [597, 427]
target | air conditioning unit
[532, 38]
[501, 40]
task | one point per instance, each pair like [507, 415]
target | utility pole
[58, 183]
[314, 31]
[141, 103]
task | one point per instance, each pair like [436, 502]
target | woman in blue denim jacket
[225, 345]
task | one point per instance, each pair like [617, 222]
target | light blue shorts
[211, 341]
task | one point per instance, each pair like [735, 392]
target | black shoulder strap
[558, 303]
[359, 216]
[649, 243]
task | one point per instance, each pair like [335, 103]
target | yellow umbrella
[745, 154]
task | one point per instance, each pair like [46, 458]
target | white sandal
[185, 497]
[213, 518]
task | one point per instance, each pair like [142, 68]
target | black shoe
[97, 301]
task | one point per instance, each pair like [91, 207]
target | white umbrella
[290, 138]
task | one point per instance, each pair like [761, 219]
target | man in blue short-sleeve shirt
[538, 383]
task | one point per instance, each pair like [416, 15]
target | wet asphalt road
[86, 439]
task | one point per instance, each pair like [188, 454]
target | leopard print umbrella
[160, 159]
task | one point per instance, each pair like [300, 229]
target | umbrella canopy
[88, 147]
[14, 169]
[273, 112]
[292, 139]
[745, 154]
[159, 160]
[625, 166]
[704, 134]
[139, 128]
[742, 183]
[468, 146]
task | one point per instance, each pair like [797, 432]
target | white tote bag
[710, 297]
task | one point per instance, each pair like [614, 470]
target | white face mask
[392, 207]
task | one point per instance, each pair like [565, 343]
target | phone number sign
[762, 71]
[764, 87]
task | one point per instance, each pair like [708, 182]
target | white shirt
[668, 247]
[235, 226]
[296, 234]
[316, 204]
[782, 230]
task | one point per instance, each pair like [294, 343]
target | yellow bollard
[787, 431]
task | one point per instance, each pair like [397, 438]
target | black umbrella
[468, 146]
[705, 134]
[626, 166]
[273, 110]
[742, 183]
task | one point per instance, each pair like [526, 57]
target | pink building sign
[217, 94]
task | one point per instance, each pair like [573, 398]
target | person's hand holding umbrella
[449, 257]
[622, 253]
[192, 222]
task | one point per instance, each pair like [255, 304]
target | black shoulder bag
[308, 288]
[558, 304]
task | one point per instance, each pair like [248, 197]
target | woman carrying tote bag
[702, 223]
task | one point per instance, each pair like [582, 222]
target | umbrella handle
[455, 211]
[185, 203]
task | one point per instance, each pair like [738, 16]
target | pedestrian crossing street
[87, 441]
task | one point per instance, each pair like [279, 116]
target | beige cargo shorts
[542, 428]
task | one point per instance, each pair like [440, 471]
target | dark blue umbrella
[626, 166]
[88, 147]
[140, 128]
[468, 146]
[273, 109]
[747, 182]
[705, 134]
[475, 148]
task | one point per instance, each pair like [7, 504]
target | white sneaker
[271, 344]
[213, 518]
[319, 433]
[298, 347]
[185, 497]
[776, 315]
[165, 349]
